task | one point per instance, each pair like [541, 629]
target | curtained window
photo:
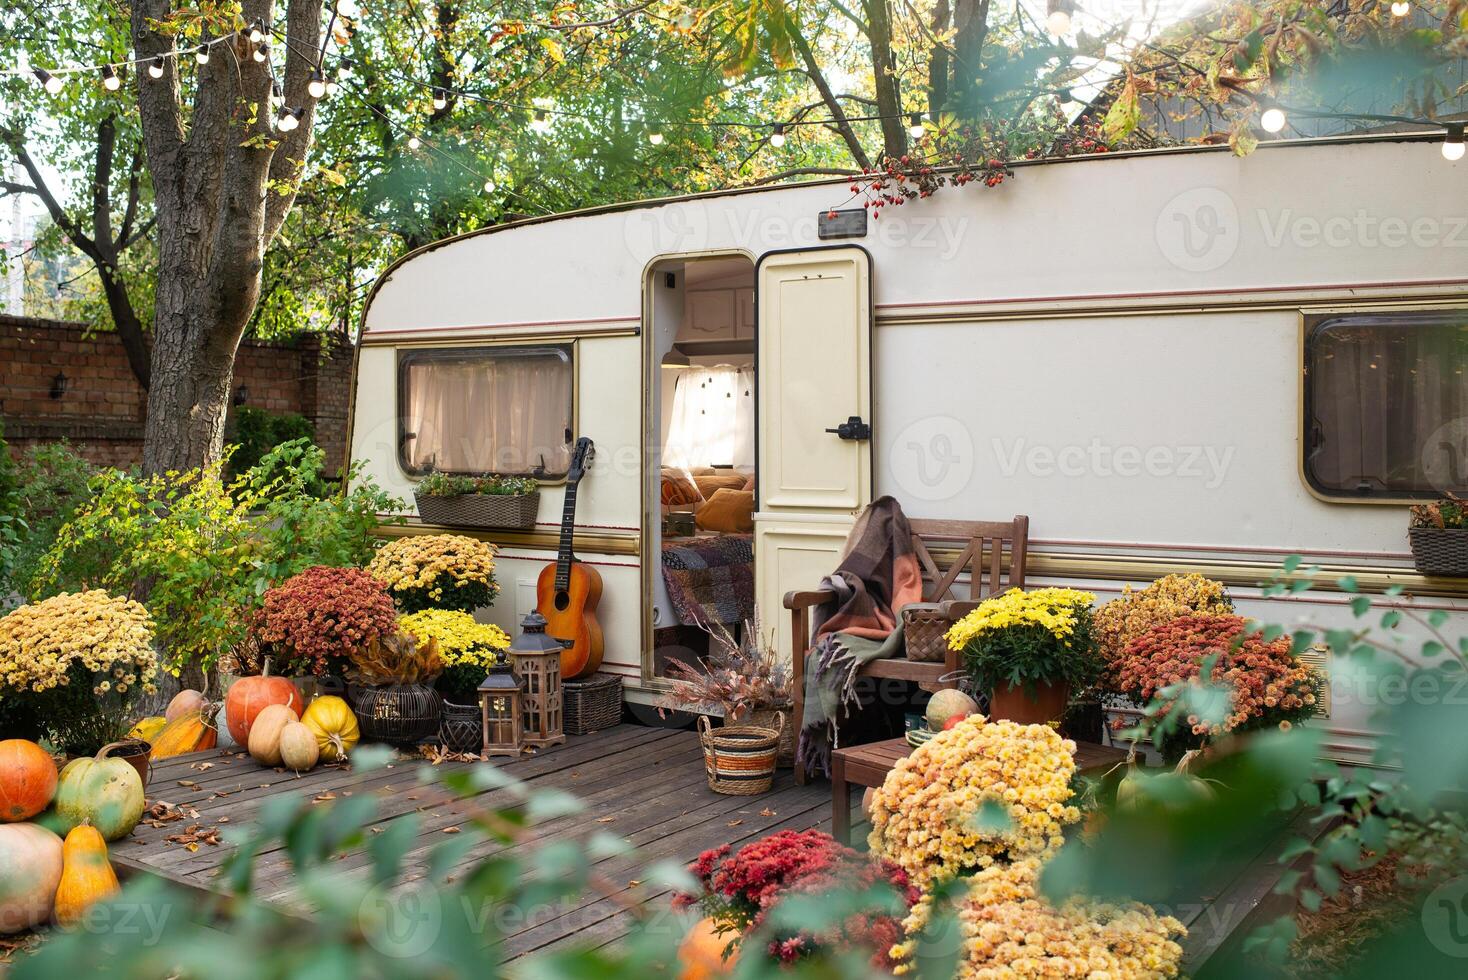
[713, 419]
[503, 410]
[1386, 404]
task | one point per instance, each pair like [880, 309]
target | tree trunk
[889, 99]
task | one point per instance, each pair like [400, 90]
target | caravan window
[504, 410]
[1386, 404]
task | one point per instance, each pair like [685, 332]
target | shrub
[437, 571]
[314, 622]
[256, 432]
[12, 515]
[50, 484]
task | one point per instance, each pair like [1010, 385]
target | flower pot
[462, 727]
[135, 752]
[1009, 703]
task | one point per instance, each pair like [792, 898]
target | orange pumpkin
[701, 954]
[193, 732]
[27, 779]
[183, 702]
[249, 696]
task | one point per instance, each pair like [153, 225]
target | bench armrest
[804, 600]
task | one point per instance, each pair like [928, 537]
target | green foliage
[257, 431]
[12, 514]
[50, 482]
[199, 553]
[450, 485]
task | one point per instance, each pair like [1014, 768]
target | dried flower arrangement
[313, 622]
[741, 888]
[396, 659]
[739, 676]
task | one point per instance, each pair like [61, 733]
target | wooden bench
[868, 765]
[991, 552]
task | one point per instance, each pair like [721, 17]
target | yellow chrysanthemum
[109, 635]
[1056, 610]
[461, 640]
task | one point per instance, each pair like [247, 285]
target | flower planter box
[1440, 551]
[481, 510]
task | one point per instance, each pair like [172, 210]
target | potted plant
[1202, 678]
[437, 571]
[468, 650]
[391, 689]
[311, 624]
[1030, 650]
[1439, 536]
[742, 679]
[478, 501]
[72, 666]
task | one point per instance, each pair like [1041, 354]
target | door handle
[853, 429]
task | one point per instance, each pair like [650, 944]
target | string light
[655, 136]
[289, 119]
[256, 33]
[201, 54]
[262, 51]
[489, 187]
[777, 136]
[1400, 9]
[1058, 17]
[155, 70]
[439, 98]
[317, 85]
[1272, 119]
[277, 91]
[331, 86]
[51, 83]
[1453, 142]
[915, 125]
[347, 8]
[110, 81]
[414, 142]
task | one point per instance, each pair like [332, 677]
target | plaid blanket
[711, 580]
[877, 576]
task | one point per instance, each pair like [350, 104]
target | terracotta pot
[134, 751]
[1009, 703]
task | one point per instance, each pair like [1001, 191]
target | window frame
[407, 357]
[1313, 324]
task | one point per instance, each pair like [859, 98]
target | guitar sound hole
[563, 599]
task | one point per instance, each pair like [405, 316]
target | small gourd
[335, 727]
[298, 748]
[264, 744]
[86, 874]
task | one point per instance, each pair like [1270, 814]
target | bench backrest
[979, 547]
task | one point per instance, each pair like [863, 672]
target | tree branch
[287, 166]
[813, 69]
[804, 171]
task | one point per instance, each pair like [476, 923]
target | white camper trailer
[1169, 360]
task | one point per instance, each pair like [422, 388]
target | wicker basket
[481, 510]
[740, 759]
[1440, 551]
[925, 632]
[771, 719]
[462, 727]
[593, 704]
[401, 714]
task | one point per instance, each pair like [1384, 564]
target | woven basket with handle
[770, 718]
[925, 632]
[740, 759]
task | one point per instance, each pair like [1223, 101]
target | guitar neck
[568, 530]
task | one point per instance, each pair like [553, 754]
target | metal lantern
[501, 707]
[536, 659]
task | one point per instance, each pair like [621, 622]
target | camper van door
[815, 404]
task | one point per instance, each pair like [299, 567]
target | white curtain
[502, 411]
[713, 419]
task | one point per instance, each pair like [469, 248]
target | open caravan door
[814, 417]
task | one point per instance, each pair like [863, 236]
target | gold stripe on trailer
[590, 541]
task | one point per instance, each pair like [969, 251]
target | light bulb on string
[347, 8]
[1272, 119]
[1400, 9]
[777, 136]
[440, 98]
[262, 51]
[1453, 142]
[655, 136]
[155, 68]
[343, 69]
[332, 87]
[1058, 17]
[414, 142]
[289, 119]
[277, 93]
[255, 33]
[317, 85]
[915, 125]
[201, 54]
[51, 83]
[489, 187]
[110, 80]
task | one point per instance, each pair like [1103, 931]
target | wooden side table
[868, 765]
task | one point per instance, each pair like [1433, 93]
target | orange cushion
[729, 511]
[677, 489]
[709, 485]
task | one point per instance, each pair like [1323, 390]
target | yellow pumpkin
[193, 732]
[265, 733]
[148, 728]
[298, 748]
[86, 874]
[335, 726]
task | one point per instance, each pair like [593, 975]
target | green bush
[50, 483]
[255, 432]
[12, 519]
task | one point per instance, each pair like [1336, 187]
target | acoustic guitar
[567, 592]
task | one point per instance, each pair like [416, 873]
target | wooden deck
[645, 785]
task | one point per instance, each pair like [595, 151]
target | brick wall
[102, 407]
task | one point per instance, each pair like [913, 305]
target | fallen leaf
[767, 812]
[734, 823]
[605, 819]
[451, 830]
[189, 783]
